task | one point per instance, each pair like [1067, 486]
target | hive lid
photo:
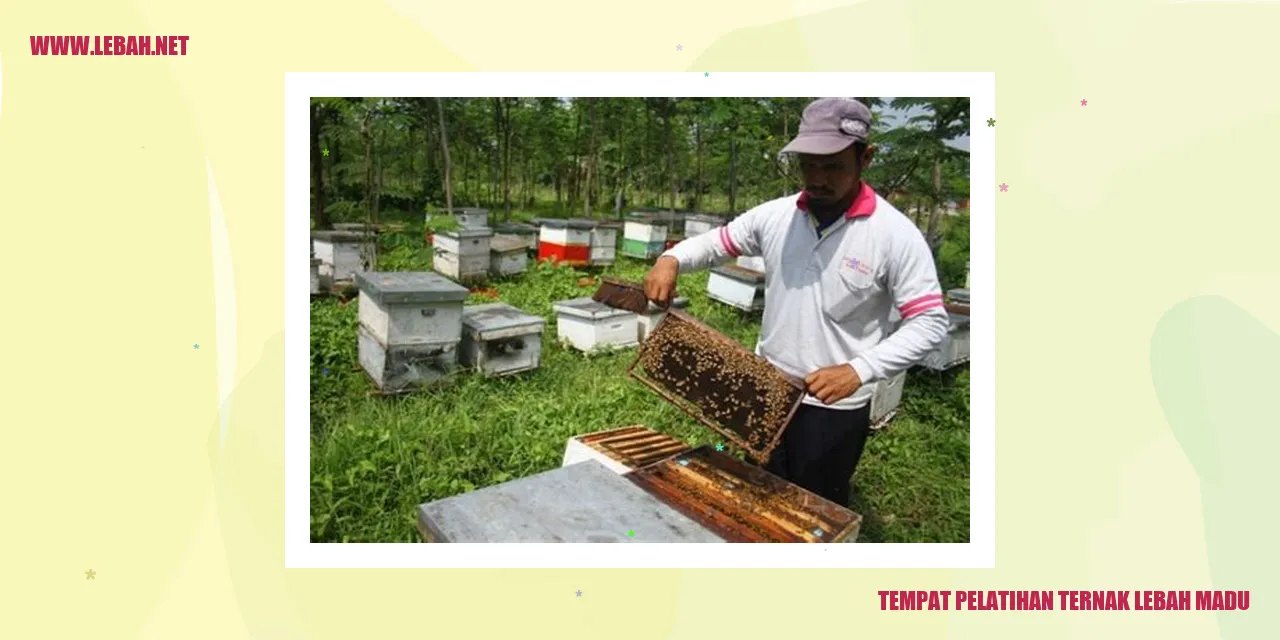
[337, 236]
[483, 232]
[704, 217]
[406, 287]
[743, 503]
[471, 211]
[741, 274]
[356, 226]
[588, 308]
[609, 224]
[718, 382]
[959, 295]
[516, 228]
[497, 316]
[506, 244]
[572, 223]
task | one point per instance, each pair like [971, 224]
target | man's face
[829, 179]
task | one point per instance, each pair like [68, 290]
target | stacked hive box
[698, 224]
[589, 325]
[644, 237]
[508, 255]
[410, 327]
[885, 400]
[340, 253]
[567, 241]
[604, 244]
[525, 233]
[499, 339]
[737, 287]
[463, 254]
[646, 321]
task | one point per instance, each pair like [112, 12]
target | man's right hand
[660, 282]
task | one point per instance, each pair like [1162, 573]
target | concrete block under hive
[462, 254]
[622, 450]
[410, 327]
[589, 325]
[471, 217]
[736, 287]
[499, 339]
[644, 237]
[954, 349]
[885, 400]
[525, 233]
[718, 382]
[743, 503]
[646, 322]
[604, 244]
[343, 253]
[583, 502]
[566, 241]
[698, 224]
[507, 256]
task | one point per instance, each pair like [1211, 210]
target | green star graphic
[89, 574]
[630, 533]
[325, 152]
[991, 122]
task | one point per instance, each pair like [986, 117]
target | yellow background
[1135, 437]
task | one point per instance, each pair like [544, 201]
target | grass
[375, 459]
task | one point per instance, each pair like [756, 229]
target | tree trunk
[366, 135]
[448, 166]
[591, 158]
[936, 215]
[733, 175]
[671, 150]
[697, 142]
[317, 169]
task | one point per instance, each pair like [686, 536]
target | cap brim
[819, 145]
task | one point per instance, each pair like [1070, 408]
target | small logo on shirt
[857, 265]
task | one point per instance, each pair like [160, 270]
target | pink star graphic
[1084, 103]
[1004, 187]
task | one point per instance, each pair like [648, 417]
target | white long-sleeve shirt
[828, 294]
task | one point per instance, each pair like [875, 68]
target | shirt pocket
[845, 291]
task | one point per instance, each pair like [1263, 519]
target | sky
[898, 116]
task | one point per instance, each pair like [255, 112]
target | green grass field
[374, 459]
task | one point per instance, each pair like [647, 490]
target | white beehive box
[565, 232]
[698, 224]
[472, 218]
[463, 254]
[508, 255]
[754, 263]
[646, 231]
[499, 339]
[604, 244]
[315, 276]
[410, 327]
[340, 253]
[954, 349]
[885, 400]
[588, 325]
[646, 322]
[737, 287]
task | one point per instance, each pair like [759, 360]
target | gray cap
[830, 125]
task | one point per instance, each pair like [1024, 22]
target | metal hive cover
[718, 382]
[959, 295]
[507, 244]
[405, 287]
[338, 236]
[704, 217]
[496, 316]
[742, 503]
[588, 308]
[470, 211]
[468, 233]
[572, 223]
[515, 228]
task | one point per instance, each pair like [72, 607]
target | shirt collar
[864, 204]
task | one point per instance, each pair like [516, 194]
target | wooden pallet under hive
[718, 382]
[742, 503]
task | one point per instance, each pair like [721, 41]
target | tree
[448, 165]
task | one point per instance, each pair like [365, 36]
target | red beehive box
[567, 241]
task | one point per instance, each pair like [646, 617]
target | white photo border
[300, 552]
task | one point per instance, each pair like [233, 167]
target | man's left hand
[832, 384]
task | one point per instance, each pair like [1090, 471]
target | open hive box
[718, 382]
[742, 503]
[624, 449]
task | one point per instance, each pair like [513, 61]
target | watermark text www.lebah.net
[109, 45]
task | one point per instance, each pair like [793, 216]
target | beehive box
[525, 233]
[315, 276]
[754, 263]
[400, 369]
[604, 244]
[584, 502]
[472, 218]
[644, 237]
[647, 321]
[885, 400]
[622, 450]
[508, 256]
[742, 503]
[463, 254]
[340, 253]
[499, 339]
[410, 326]
[357, 227]
[567, 241]
[589, 325]
[736, 287]
[698, 224]
[718, 382]
[954, 349]
[958, 302]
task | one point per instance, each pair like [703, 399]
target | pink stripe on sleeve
[915, 311]
[727, 243]
[923, 303]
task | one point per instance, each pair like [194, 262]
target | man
[838, 259]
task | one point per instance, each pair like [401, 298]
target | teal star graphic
[197, 346]
[707, 74]
[991, 122]
[719, 447]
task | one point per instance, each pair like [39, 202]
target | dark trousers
[820, 449]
